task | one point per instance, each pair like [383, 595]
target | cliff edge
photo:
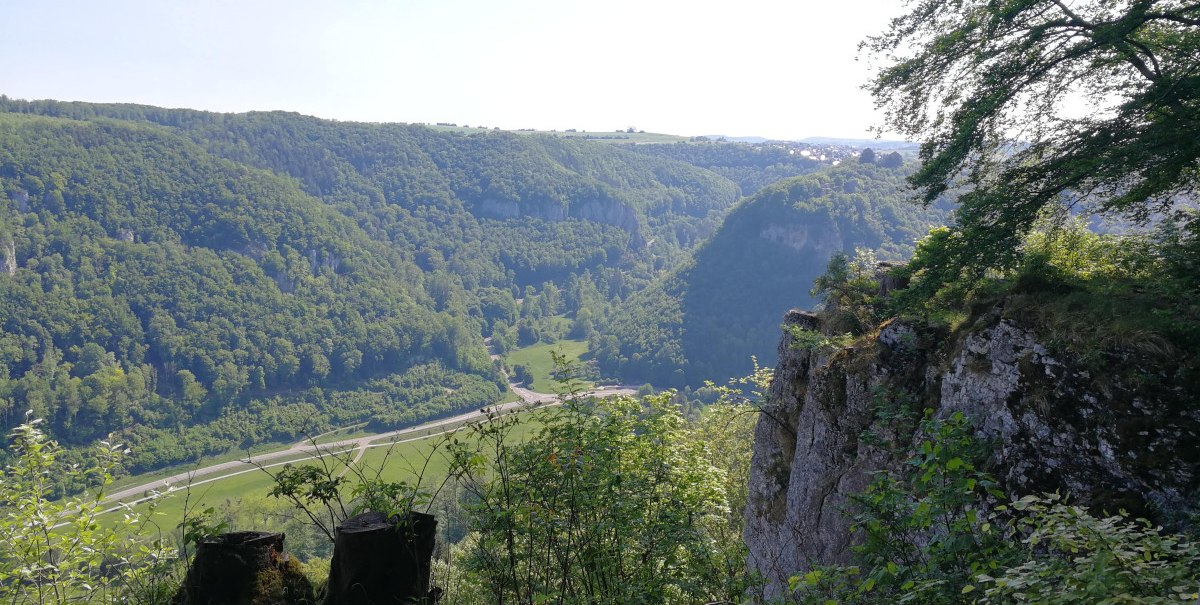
[1115, 434]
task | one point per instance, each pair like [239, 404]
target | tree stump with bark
[244, 568]
[887, 282]
[381, 560]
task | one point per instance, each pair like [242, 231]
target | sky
[775, 68]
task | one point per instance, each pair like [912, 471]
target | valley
[352, 451]
[387, 254]
[268, 358]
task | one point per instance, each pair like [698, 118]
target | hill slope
[532, 207]
[150, 284]
[200, 281]
[707, 319]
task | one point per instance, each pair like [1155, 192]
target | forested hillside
[238, 278]
[150, 287]
[495, 207]
[200, 281]
[707, 319]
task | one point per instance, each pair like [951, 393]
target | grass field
[349, 432]
[558, 323]
[402, 461]
[248, 481]
[620, 137]
[537, 358]
[207, 461]
[427, 458]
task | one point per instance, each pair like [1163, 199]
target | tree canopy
[1029, 103]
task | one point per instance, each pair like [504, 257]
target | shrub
[941, 534]
[57, 550]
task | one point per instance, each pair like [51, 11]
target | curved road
[529, 399]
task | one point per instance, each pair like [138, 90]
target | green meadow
[537, 358]
[406, 460]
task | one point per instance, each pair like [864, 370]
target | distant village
[830, 151]
[827, 150]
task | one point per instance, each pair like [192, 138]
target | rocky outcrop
[8, 256]
[495, 208]
[21, 197]
[318, 260]
[604, 211]
[1057, 427]
[821, 240]
[809, 454]
[1053, 426]
[608, 213]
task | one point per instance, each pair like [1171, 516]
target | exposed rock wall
[1053, 426]
[8, 256]
[604, 211]
[822, 240]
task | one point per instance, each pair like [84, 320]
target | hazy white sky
[777, 68]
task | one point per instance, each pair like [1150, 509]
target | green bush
[57, 550]
[943, 533]
[610, 502]
[1071, 556]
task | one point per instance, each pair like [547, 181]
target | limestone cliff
[1053, 426]
[606, 211]
[8, 255]
[816, 240]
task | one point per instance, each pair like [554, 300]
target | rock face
[8, 256]
[1053, 425]
[803, 237]
[22, 198]
[604, 211]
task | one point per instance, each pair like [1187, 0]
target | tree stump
[889, 283]
[380, 560]
[244, 568]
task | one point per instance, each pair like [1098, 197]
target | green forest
[760, 263]
[163, 293]
[198, 282]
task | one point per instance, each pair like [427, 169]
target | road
[529, 399]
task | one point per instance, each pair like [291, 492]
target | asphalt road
[303, 450]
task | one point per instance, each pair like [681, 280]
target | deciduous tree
[1029, 103]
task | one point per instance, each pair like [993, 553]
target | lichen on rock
[1052, 426]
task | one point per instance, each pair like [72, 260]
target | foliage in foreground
[991, 87]
[58, 551]
[1091, 296]
[613, 501]
[942, 533]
